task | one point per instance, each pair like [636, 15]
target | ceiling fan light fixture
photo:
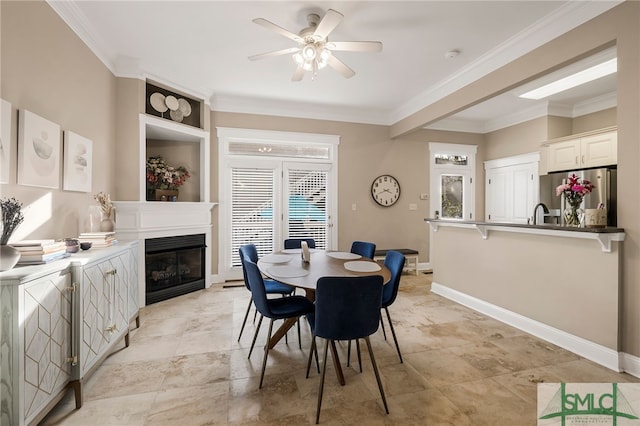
[309, 52]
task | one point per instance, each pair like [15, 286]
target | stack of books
[37, 252]
[98, 239]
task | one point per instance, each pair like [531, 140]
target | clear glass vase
[573, 214]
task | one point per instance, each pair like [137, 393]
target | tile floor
[185, 367]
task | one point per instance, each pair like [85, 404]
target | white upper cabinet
[594, 150]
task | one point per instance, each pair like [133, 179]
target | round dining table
[288, 267]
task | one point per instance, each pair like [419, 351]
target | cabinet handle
[112, 272]
[576, 159]
[583, 159]
[111, 329]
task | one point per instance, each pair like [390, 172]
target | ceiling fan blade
[329, 22]
[298, 74]
[274, 53]
[340, 66]
[355, 46]
[271, 26]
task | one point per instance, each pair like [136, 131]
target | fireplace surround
[144, 221]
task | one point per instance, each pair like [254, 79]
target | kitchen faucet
[535, 212]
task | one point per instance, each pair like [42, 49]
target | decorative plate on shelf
[157, 102]
[172, 102]
[184, 107]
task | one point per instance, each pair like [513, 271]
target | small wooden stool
[410, 255]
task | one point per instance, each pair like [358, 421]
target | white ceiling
[202, 48]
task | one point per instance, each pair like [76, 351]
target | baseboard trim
[597, 353]
[630, 364]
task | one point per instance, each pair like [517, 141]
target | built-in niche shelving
[180, 142]
[179, 145]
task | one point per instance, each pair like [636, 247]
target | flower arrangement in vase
[163, 177]
[573, 192]
[11, 217]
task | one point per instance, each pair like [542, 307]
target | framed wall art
[38, 151]
[77, 163]
[5, 141]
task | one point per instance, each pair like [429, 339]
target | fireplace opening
[174, 266]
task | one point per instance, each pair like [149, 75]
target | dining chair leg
[393, 333]
[359, 357]
[324, 371]
[266, 353]
[384, 333]
[246, 315]
[255, 336]
[375, 370]
[299, 335]
[313, 351]
[348, 353]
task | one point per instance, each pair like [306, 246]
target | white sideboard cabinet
[58, 322]
[102, 310]
[35, 341]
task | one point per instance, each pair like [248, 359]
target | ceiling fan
[314, 50]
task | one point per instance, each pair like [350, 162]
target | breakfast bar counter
[559, 283]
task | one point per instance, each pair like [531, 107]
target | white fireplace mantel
[141, 220]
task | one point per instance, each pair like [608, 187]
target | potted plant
[11, 217]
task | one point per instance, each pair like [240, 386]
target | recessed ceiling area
[508, 108]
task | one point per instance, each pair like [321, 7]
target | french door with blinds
[271, 198]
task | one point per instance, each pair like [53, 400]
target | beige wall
[47, 70]
[517, 139]
[365, 151]
[595, 121]
[618, 27]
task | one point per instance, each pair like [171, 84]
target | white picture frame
[5, 141]
[38, 151]
[77, 162]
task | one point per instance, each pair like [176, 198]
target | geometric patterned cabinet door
[35, 342]
[103, 311]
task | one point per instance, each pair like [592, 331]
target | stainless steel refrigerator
[605, 182]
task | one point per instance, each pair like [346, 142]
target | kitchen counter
[605, 236]
[550, 281]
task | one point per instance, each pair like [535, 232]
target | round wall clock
[385, 190]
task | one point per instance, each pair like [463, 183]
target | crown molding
[600, 103]
[261, 106]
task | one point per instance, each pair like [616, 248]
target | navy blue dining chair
[294, 243]
[249, 251]
[394, 261]
[364, 249]
[347, 308]
[274, 309]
